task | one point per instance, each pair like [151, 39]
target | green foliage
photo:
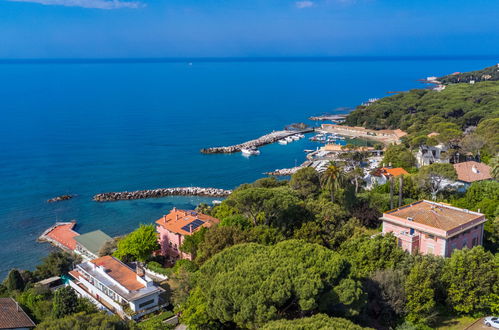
[305, 182]
[14, 281]
[332, 179]
[37, 302]
[399, 156]
[55, 264]
[65, 302]
[156, 322]
[138, 245]
[472, 278]
[488, 129]
[478, 192]
[191, 242]
[416, 111]
[236, 220]
[156, 267]
[82, 321]
[279, 207]
[487, 74]
[421, 289]
[217, 239]
[251, 284]
[432, 177]
[269, 182]
[316, 322]
[368, 254]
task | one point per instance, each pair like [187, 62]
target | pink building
[173, 228]
[433, 228]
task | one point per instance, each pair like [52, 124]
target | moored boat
[250, 151]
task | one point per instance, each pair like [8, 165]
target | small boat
[289, 139]
[295, 137]
[308, 150]
[250, 151]
[301, 136]
[283, 141]
[216, 202]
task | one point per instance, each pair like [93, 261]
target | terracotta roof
[472, 171]
[390, 171]
[435, 215]
[432, 134]
[178, 220]
[119, 272]
[12, 315]
[64, 234]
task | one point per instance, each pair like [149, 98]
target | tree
[191, 243]
[421, 290]
[55, 264]
[306, 182]
[65, 302]
[138, 245]
[250, 284]
[14, 281]
[217, 239]
[432, 177]
[472, 144]
[331, 179]
[85, 321]
[318, 321]
[108, 248]
[494, 164]
[399, 156]
[471, 278]
[279, 207]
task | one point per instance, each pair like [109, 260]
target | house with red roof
[175, 226]
[114, 287]
[434, 228]
[471, 171]
[12, 316]
[381, 176]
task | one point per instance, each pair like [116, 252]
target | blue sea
[84, 127]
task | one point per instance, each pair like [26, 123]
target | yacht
[289, 139]
[250, 151]
[283, 141]
[295, 137]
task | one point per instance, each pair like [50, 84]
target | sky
[246, 28]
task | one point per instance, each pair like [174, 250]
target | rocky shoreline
[60, 198]
[161, 192]
[263, 140]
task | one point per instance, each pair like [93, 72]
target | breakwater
[263, 140]
[60, 198]
[161, 192]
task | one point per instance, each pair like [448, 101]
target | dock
[161, 192]
[61, 235]
[263, 140]
[334, 118]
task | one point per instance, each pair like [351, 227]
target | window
[145, 303]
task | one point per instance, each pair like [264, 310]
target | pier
[161, 192]
[334, 118]
[61, 235]
[263, 140]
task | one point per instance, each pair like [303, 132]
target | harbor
[276, 136]
[161, 192]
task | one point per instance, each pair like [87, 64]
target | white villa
[427, 155]
[114, 287]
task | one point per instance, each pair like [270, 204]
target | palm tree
[332, 178]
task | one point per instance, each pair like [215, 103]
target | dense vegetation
[490, 73]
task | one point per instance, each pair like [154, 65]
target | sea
[83, 127]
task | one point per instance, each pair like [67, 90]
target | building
[381, 176]
[88, 245]
[469, 172]
[114, 287]
[173, 228]
[433, 228]
[427, 155]
[12, 315]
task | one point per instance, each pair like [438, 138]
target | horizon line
[339, 58]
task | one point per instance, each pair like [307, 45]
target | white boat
[295, 137]
[250, 151]
[283, 141]
[289, 139]
[301, 136]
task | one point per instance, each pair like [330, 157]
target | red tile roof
[120, 272]
[176, 219]
[390, 171]
[436, 215]
[12, 315]
[472, 171]
[64, 234]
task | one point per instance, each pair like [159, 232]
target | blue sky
[176, 28]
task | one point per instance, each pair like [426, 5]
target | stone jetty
[284, 171]
[60, 198]
[263, 140]
[161, 192]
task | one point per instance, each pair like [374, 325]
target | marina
[276, 136]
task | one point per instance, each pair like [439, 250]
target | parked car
[492, 321]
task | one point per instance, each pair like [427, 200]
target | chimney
[139, 270]
[475, 170]
[190, 229]
[17, 306]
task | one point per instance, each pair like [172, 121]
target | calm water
[85, 128]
